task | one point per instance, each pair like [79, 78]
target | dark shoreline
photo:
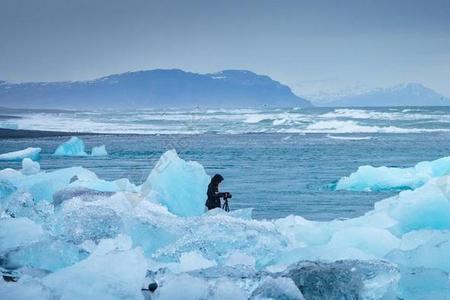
[22, 133]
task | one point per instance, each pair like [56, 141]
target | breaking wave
[238, 121]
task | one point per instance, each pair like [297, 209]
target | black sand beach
[19, 133]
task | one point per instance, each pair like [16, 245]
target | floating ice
[368, 178]
[73, 147]
[68, 234]
[31, 153]
[99, 151]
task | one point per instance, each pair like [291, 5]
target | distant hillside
[409, 94]
[154, 89]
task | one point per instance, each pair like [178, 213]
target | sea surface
[278, 161]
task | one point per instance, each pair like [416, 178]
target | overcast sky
[312, 46]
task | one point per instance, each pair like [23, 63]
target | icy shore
[67, 234]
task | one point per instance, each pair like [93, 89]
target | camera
[228, 195]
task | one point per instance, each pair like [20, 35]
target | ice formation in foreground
[68, 234]
[31, 153]
[73, 147]
[368, 178]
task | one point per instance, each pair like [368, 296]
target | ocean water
[279, 162]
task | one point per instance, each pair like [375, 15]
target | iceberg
[99, 151]
[177, 184]
[30, 167]
[31, 153]
[68, 234]
[368, 178]
[73, 147]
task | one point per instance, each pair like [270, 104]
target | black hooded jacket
[213, 194]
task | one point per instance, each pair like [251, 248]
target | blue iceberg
[177, 184]
[73, 147]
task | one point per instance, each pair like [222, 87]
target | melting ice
[67, 234]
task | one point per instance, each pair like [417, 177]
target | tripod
[225, 206]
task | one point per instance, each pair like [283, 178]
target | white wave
[392, 115]
[195, 122]
[256, 118]
[335, 126]
[350, 138]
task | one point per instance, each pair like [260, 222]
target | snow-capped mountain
[154, 89]
[408, 94]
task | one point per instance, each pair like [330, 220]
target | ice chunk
[193, 288]
[18, 232]
[30, 167]
[368, 178]
[238, 258]
[25, 288]
[347, 279]
[22, 205]
[177, 184]
[193, 261]
[422, 283]
[427, 207]
[363, 239]
[433, 251]
[85, 194]
[117, 274]
[49, 255]
[73, 147]
[31, 153]
[99, 151]
[43, 185]
[6, 189]
[89, 223]
[277, 288]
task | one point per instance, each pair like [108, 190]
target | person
[213, 193]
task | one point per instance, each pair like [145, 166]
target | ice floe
[30, 152]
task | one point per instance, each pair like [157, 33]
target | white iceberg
[73, 147]
[99, 151]
[30, 167]
[31, 153]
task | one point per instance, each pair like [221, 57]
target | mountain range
[154, 89]
[162, 88]
[408, 94]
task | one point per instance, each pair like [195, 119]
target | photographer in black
[214, 195]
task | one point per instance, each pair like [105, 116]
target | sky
[316, 47]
